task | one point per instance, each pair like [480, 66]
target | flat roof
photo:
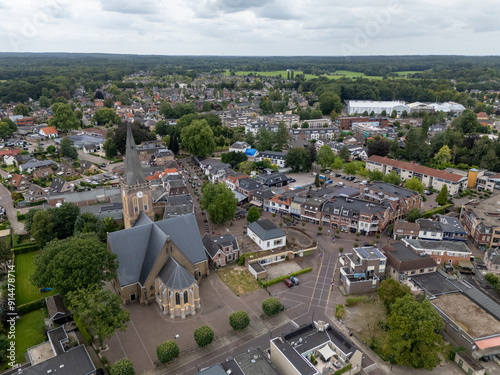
[438, 245]
[434, 283]
[468, 315]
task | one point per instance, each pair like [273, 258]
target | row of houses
[446, 228]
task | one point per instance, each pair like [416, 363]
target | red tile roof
[49, 130]
[416, 168]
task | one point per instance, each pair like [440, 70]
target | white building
[266, 234]
[377, 107]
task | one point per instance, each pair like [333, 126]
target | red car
[288, 283]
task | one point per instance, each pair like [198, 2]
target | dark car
[366, 244]
[288, 283]
[291, 180]
[338, 175]
[294, 280]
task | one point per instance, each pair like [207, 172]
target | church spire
[133, 169]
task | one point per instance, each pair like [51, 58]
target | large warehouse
[360, 106]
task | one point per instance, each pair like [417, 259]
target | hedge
[344, 369]
[31, 306]
[27, 248]
[280, 279]
[437, 210]
[351, 301]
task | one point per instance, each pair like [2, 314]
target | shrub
[167, 351]
[377, 235]
[281, 278]
[31, 306]
[344, 369]
[339, 311]
[26, 248]
[203, 335]
[352, 301]
[239, 320]
[453, 351]
[271, 306]
[341, 249]
[313, 360]
[122, 367]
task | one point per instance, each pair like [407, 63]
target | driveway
[6, 202]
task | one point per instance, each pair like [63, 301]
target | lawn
[29, 332]
[238, 279]
[25, 291]
[406, 72]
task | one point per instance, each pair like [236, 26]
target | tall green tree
[337, 164]
[413, 214]
[63, 117]
[271, 306]
[198, 138]
[42, 227]
[161, 128]
[414, 184]
[74, 263]
[265, 139]
[87, 222]
[325, 156]
[298, 160]
[204, 335]
[167, 351]
[344, 154]
[64, 219]
[67, 149]
[239, 320]
[328, 102]
[443, 156]
[100, 310]
[350, 168]
[282, 136]
[392, 178]
[442, 197]
[219, 201]
[253, 214]
[412, 339]
[105, 116]
[22, 110]
[110, 148]
[390, 290]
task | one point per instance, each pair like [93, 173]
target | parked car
[288, 283]
[356, 180]
[291, 180]
[341, 184]
[338, 175]
[366, 244]
[294, 280]
[199, 183]
[427, 192]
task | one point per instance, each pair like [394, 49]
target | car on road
[294, 280]
[366, 244]
[340, 183]
[291, 180]
[199, 184]
[288, 283]
[338, 175]
[87, 181]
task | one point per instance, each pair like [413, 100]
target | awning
[465, 264]
[255, 203]
[326, 352]
[239, 196]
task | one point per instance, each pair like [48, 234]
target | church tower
[136, 192]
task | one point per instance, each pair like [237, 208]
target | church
[158, 262]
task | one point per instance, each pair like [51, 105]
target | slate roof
[32, 164]
[429, 225]
[55, 305]
[438, 245]
[266, 230]
[57, 184]
[248, 184]
[391, 189]
[75, 361]
[133, 170]
[273, 154]
[138, 247]
[213, 245]
[175, 276]
[272, 179]
[212, 370]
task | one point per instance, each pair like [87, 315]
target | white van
[340, 184]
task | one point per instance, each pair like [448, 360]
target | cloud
[132, 6]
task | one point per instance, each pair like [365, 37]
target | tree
[390, 290]
[298, 160]
[140, 135]
[350, 168]
[337, 164]
[413, 214]
[5, 253]
[376, 175]
[412, 339]
[203, 335]
[271, 306]
[167, 351]
[109, 148]
[198, 138]
[63, 117]
[161, 128]
[100, 310]
[414, 184]
[392, 178]
[265, 139]
[67, 149]
[22, 110]
[74, 263]
[122, 367]
[246, 167]
[467, 122]
[442, 197]
[105, 116]
[234, 158]
[325, 156]
[253, 214]
[282, 136]
[443, 156]
[311, 151]
[317, 182]
[87, 222]
[239, 320]
[328, 102]
[380, 147]
[219, 202]
[64, 219]
[42, 227]
[44, 102]
[344, 154]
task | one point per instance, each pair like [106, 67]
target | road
[6, 202]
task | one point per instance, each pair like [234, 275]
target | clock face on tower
[139, 194]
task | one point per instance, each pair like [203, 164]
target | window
[132, 297]
[177, 299]
[422, 270]
[431, 269]
[145, 207]
[186, 297]
[136, 209]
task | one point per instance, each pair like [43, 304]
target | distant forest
[31, 75]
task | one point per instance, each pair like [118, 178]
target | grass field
[29, 332]
[337, 74]
[25, 291]
[238, 279]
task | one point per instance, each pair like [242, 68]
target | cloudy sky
[251, 27]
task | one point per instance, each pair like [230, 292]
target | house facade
[221, 250]
[266, 234]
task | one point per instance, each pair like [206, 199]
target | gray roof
[75, 361]
[57, 184]
[133, 170]
[102, 210]
[273, 154]
[438, 245]
[248, 184]
[212, 370]
[175, 276]
[451, 224]
[266, 230]
[32, 164]
[81, 196]
[213, 245]
[429, 225]
[391, 189]
[178, 210]
[138, 247]
[353, 206]
[272, 179]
